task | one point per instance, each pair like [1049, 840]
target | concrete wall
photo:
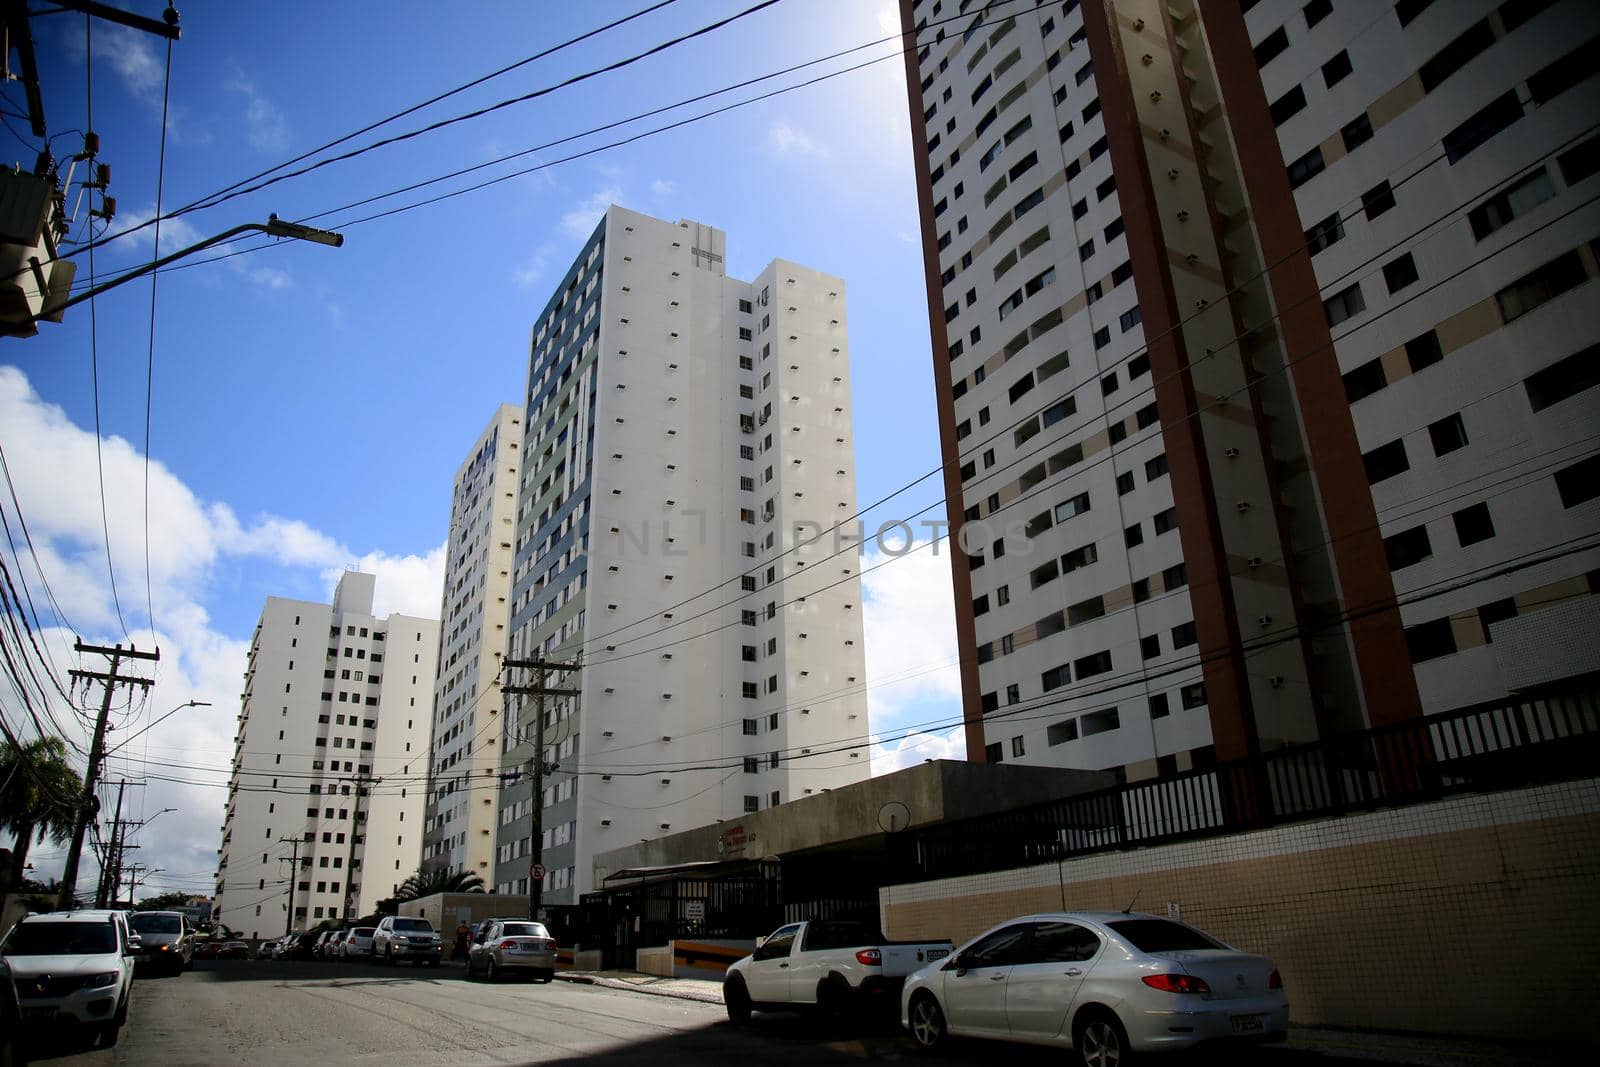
[931, 792]
[1466, 917]
[444, 910]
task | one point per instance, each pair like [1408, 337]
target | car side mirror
[135, 942]
[760, 941]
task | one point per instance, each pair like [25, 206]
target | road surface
[333, 1014]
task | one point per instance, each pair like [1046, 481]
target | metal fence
[1497, 746]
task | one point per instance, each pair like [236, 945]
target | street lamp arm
[157, 722]
[274, 227]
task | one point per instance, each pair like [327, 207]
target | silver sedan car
[509, 945]
[1105, 984]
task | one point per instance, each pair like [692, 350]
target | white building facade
[464, 761]
[325, 804]
[688, 452]
[1260, 341]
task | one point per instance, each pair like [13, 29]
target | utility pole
[87, 808]
[110, 876]
[111, 863]
[350, 887]
[294, 873]
[539, 690]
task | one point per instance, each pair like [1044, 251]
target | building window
[1473, 524]
[1564, 379]
[1482, 127]
[1399, 273]
[1430, 640]
[1541, 285]
[1500, 210]
[1448, 434]
[1336, 69]
[1407, 548]
[1377, 200]
[1385, 461]
[1344, 305]
[1579, 483]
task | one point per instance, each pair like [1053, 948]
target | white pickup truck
[827, 964]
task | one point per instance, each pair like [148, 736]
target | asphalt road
[264, 1012]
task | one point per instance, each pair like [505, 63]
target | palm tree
[427, 884]
[39, 797]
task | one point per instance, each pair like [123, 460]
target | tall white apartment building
[687, 454]
[464, 758]
[325, 803]
[1265, 352]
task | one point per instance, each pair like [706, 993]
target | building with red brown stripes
[1264, 371]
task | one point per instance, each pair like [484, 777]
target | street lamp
[273, 227]
[152, 725]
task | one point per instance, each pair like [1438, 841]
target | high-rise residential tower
[1261, 327]
[687, 453]
[473, 614]
[330, 762]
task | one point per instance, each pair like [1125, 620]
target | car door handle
[997, 978]
[783, 965]
[1073, 971]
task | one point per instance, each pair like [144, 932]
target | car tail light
[507, 944]
[1176, 983]
[870, 957]
[1275, 980]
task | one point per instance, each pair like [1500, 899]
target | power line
[243, 189]
[150, 350]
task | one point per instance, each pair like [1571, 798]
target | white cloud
[580, 222]
[532, 269]
[911, 657]
[265, 126]
[914, 748]
[661, 188]
[52, 462]
[888, 20]
[787, 139]
[134, 57]
[910, 628]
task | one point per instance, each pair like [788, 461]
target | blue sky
[311, 405]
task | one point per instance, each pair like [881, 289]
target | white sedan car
[1106, 984]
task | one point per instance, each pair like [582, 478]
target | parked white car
[1106, 984]
[829, 964]
[73, 967]
[355, 943]
[398, 937]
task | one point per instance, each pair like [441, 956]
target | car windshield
[157, 924]
[363, 931]
[524, 930]
[61, 939]
[1162, 935]
[416, 926]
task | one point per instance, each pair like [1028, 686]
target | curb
[586, 978]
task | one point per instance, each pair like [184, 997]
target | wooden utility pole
[110, 876]
[97, 748]
[537, 765]
[350, 887]
[294, 874]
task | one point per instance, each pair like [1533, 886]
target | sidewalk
[1305, 1042]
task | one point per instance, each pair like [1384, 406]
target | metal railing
[1539, 739]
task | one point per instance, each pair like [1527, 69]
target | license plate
[1248, 1024]
[938, 953]
[38, 1013]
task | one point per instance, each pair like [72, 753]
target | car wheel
[1101, 1041]
[833, 996]
[927, 1022]
[490, 973]
[549, 976]
[737, 1000]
